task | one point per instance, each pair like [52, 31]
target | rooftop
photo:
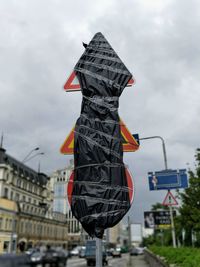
[22, 170]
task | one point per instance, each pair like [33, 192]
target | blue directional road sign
[168, 179]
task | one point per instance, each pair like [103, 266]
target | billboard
[157, 219]
[167, 179]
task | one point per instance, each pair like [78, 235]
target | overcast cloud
[158, 40]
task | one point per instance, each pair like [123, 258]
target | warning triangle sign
[170, 200]
[130, 144]
[72, 83]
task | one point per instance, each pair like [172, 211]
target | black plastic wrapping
[100, 196]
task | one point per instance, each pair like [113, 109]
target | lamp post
[165, 163]
[37, 154]
[163, 146]
[26, 158]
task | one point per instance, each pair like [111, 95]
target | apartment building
[26, 208]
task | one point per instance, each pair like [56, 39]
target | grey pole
[172, 226]
[166, 167]
[98, 252]
[129, 234]
[163, 146]
[13, 236]
[129, 239]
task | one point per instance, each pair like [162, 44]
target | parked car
[30, 251]
[140, 250]
[82, 252]
[75, 251]
[50, 256]
[109, 251]
[116, 252]
[90, 253]
[37, 257]
[136, 251]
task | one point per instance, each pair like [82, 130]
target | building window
[24, 198]
[18, 183]
[38, 191]
[30, 187]
[22, 227]
[5, 192]
[6, 225]
[35, 189]
[26, 227]
[34, 227]
[26, 174]
[11, 195]
[15, 167]
[17, 197]
[25, 185]
[1, 223]
[10, 224]
[30, 227]
[5, 246]
[21, 172]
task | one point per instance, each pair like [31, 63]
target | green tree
[158, 206]
[189, 218]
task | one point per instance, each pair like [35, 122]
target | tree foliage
[189, 218]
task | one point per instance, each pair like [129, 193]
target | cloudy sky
[158, 41]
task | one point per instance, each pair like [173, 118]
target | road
[136, 261]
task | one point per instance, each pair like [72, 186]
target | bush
[182, 257]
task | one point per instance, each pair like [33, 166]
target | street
[136, 261]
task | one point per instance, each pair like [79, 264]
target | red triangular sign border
[72, 83]
[167, 202]
[131, 144]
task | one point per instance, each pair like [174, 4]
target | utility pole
[166, 168]
[98, 252]
[129, 239]
[129, 233]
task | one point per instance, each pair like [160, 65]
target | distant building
[136, 233]
[114, 234]
[59, 182]
[26, 212]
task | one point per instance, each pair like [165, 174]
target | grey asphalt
[138, 261]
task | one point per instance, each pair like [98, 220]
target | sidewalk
[137, 261]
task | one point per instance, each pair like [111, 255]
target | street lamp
[37, 154]
[26, 158]
[166, 167]
[163, 146]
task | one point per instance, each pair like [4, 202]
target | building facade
[26, 208]
[59, 184]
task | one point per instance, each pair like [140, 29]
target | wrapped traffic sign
[100, 196]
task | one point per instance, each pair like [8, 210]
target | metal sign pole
[98, 252]
[166, 167]
[172, 223]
